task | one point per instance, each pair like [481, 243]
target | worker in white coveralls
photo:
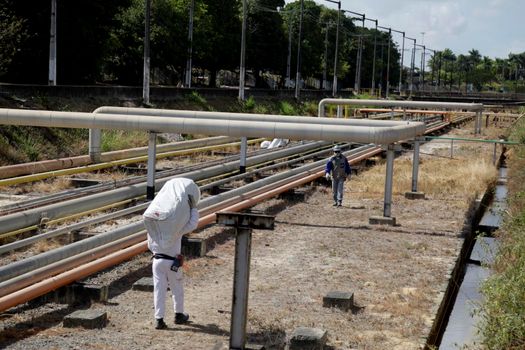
[338, 170]
[171, 214]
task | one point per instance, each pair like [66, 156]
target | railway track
[28, 278]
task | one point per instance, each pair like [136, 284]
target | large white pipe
[243, 116]
[327, 132]
[400, 104]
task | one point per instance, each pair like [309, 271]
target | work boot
[181, 318]
[160, 324]
[339, 204]
[334, 205]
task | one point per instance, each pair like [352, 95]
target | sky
[493, 27]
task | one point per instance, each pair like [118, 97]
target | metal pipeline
[30, 217]
[240, 128]
[113, 163]
[244, 117]
[206, 205]
[477, 107]
[112, 259]
[62, 163]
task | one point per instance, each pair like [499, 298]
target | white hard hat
[336, 148]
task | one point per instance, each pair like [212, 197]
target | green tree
[266, 41]
[13, 33]
[83, 28]
[221, 35]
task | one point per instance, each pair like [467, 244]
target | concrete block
[340, 300]
[414, 195]
[293, 195]
[304, 338]
[382, 220]
[94, 292]
[193, 247]
[87, 319]
[145, 284]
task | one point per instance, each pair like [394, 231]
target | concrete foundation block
[304, 338]
[414, 195]
[193, 247]
[293, 195]
[382, 220]
[340, 300]
[94, 292]
[87, 319]
[145, 284]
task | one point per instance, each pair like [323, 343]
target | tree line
[102, 41]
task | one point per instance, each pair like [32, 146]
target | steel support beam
[152, 157]
[244, 151]
[244, 223]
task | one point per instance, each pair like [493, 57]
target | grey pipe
[37, 261]
[344, 133]
[243, 116]
[33, 216]
[392, 103]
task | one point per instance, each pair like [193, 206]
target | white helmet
[336, 148]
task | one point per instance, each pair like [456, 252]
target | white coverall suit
[169, 216]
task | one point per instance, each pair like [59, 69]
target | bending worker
[170, 215]
[337, 169]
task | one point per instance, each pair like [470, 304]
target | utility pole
[145, 85]
[298, 72]
[190, 47]
[334, 87]
[52, 80]
[388, 61]
[289, 59]
[242, 69]
[357, 80]
[402, 61]
[325, 66]
[412, 61]
[374, 62]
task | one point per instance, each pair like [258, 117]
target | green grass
[118, 139]
[503, 313]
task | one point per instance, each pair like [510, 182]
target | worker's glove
[328, 176]
[191, 201]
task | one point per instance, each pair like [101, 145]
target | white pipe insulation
[240, 128]
[243, 116]
[399, 104]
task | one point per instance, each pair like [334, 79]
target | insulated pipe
[242, 116]
[342, 133]
[61, 163]
[392, 103]
[33, 216]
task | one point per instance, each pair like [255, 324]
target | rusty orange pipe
[37, 275]
[50, 284]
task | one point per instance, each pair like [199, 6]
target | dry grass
[439, 178]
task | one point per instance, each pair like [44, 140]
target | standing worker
[171, 214]
[337, 169]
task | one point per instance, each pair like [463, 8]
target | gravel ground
[314, 249]
[395, 274]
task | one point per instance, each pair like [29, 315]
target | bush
[503, 318]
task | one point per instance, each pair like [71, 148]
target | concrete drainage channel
[456, 322]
